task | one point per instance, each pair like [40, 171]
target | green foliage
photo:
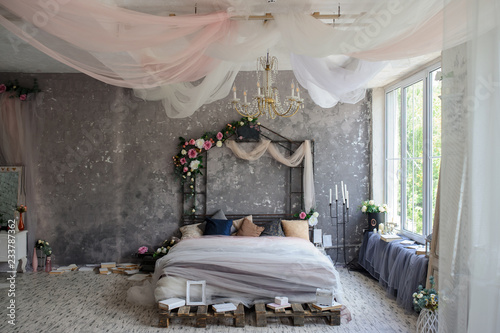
[16, 90]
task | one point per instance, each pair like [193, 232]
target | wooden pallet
[201, 313]
[298, 313]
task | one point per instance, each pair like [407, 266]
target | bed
[246, 270]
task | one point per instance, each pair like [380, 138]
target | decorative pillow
[296, 228]
[237, 224]
[271, 228]
[191, 231]
[218, 227]
[219, 215]
[249, 229]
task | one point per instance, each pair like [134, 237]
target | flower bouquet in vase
[426, 301]
[375, 212]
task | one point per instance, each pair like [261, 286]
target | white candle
[347, 199]
[258, 88]
[234, 92]
[293, 92]
[298, 93]
[342, 189]
[336, 193]
[346, 190]
[330, 196]
[245, 96]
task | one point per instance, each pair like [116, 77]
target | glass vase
[427, 321]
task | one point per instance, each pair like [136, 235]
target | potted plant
[376, 213]
[426, 302]
[43, 253]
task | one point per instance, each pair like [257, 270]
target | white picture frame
[190, 292]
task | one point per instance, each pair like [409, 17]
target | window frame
[424, 75]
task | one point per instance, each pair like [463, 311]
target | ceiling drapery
[161, 57]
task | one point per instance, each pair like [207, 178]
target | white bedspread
[246, 269]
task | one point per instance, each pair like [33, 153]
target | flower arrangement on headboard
[188, 162]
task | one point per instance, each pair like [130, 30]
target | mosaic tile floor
[88, 302]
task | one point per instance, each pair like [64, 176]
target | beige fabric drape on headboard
[303, 153]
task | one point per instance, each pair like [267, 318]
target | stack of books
[276, 306]
[223, 307]
[389, 238]
[171, 303]
[322, 307]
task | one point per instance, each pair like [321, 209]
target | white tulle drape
[161, 57]
[303, 153]
[469, 250]
[20, 130]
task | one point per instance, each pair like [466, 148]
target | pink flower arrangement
[219, 136]
[207, 145]
[2, 88]
[192, 142]
[183, 160]
[185, 169]
[23, 97]
[302, 215]
[143, 249]
[192, 153]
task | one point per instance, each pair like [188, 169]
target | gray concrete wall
[106, 184]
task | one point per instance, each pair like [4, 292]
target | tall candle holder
[341, 221]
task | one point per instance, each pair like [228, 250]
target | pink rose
[192, 142]
[219, 136]
[302, 215]
[22, 97]
[192, 153]
[183, 161]
[2, 88]
[185, 169]
[207, 145]
[186, 143]
[142, 250]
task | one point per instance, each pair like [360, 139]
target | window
[413, 152]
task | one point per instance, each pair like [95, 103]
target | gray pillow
[219, 215]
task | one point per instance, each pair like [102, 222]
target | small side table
[20, 246]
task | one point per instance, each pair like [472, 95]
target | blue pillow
[218, 227]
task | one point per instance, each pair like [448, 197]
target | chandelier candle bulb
[293, 89]
[347, 198]
[336, 193]
[245, 96]
[330, 196]
[345, 191]
[234, 91]
[298, 93]
[258, 88]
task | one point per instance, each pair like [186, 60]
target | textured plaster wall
[106, 184]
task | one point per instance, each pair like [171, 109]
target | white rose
[194, 165]
[158, 251]
[371, 202]
[242, 123]
[250, 118]
[219, 144]
[313, 221]
[192, 179]
[420, 296]
[193, 210]
[315, 214]
[183, 152]
[363, 209]
[199, 143]
[414, 295]
[258, 124]
[39, 241]
[381, 209]
[46, 243]
[189, 174]
[164, 250]
[191, 186]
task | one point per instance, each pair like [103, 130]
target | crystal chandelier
[267, 100]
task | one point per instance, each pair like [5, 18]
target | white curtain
[165, 58]
[469, 252]
[303, 153]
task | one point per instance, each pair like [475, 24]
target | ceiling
[19, 56]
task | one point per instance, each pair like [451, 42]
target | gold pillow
[296, 228]
[237, 224]
[191, 231]
[249, 229]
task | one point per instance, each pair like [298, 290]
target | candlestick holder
[340, 221]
